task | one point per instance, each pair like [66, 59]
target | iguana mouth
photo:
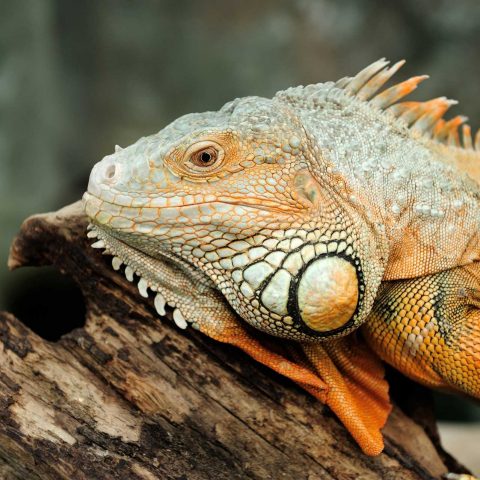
[251, 202]
[143, 266]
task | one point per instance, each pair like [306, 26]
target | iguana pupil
[206, 157]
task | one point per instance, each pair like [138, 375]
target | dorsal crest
[427, 117]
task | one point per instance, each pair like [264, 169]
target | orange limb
[358, 392]
[230, 329]
[343, 373]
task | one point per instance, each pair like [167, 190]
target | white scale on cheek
[275, 294]
[246, 290]
[275, 258]
[257, 273]
[240, 260]
[237, 276]
[293, 263]
[257, 252]
[240, 245]
[308, 252]
[121, 222]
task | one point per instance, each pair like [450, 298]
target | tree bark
[129, 396]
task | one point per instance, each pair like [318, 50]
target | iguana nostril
[110, 172]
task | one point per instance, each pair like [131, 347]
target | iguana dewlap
[324, 209]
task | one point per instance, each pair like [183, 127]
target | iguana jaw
[285, 273]
[267, 232]
[327, 266]
[152, 274]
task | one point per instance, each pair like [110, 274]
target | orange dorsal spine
[451, 138]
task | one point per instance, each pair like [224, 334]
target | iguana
[336, 217]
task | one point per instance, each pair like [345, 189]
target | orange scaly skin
[325, 210]
[429, 328]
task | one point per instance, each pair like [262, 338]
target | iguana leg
[357, 391]
[234, 333]
[344, 373]
[429, 328]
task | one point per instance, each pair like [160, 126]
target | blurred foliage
[77, 77]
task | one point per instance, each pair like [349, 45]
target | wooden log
[129, 396]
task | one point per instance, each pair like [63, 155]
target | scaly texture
[324, 209]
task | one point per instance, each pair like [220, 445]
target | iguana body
[327, 208]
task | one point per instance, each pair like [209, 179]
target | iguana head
[243, 200]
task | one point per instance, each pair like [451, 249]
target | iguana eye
[204, 157]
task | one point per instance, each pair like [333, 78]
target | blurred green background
[78, 77]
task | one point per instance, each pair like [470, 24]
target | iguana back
[400, 164]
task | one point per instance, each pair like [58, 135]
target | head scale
[244, 196]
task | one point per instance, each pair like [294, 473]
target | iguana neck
[403, 185]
